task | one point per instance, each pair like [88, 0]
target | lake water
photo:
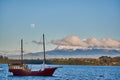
[69, 72]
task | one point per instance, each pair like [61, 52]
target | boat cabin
[18, 66]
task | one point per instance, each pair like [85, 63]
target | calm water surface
[69, 72]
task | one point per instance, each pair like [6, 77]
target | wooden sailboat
[20, 69]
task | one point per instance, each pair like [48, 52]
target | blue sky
[57, 19]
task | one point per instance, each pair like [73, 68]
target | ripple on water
[69, 72]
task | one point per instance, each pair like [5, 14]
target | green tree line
[103, 60]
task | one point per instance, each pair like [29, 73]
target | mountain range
[78, 53]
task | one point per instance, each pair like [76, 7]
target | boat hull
[45, 72]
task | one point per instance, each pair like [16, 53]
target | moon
[32, 25]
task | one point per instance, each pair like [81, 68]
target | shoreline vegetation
[101, 61]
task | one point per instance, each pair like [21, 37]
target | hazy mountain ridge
[71, 53]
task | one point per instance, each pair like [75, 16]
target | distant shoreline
[101, 61]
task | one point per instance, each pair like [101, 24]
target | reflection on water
[69, 72]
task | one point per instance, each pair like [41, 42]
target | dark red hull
[45, 72]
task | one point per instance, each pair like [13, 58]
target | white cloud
[70, 41]
[32, 25]
[74, 42]
[37, 42]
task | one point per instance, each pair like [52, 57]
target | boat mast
[22, 51]
[44, 50]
